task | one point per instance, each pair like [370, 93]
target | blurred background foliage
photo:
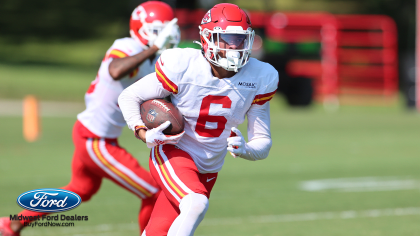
[22, 20]
[47, 31]
[71, 37]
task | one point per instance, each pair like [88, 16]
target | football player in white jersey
[97, 152]
[214, 88]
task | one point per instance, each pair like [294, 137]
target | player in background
[97, 153]
[214, 88]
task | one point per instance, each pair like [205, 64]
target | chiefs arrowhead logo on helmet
[206, 18]
[139, 14]
[148, 20]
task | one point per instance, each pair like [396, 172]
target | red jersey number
[204, 116]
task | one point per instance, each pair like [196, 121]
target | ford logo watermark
[49, 200]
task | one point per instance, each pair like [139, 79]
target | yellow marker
[31, 122]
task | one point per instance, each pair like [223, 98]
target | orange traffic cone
[31, 122]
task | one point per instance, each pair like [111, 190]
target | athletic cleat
[5, 229]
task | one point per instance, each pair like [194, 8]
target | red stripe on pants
[167, 206]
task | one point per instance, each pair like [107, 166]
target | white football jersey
[103, 116]
[210, 106]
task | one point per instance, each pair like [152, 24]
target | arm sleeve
[159, 84]
[132, 97]
[259, 136]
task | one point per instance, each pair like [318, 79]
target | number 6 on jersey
[204, 116]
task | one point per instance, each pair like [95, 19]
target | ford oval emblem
[49, 200]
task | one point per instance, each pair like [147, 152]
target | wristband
[137, 128]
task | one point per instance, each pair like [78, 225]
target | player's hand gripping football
[236, 143]
[166, 33]
[156, 137]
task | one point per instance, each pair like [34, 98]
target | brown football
[156, 111]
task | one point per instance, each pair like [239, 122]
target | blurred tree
[21, 20]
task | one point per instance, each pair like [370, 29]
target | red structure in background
[310, 27]
[367, 54]
[358, 52]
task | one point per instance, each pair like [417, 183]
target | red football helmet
[229, 24]
[148, 19]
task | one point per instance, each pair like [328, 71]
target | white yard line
[361, 184]
[109, 229]
[350, 214]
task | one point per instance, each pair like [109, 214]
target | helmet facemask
[234, 43]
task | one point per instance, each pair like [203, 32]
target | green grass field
[250, 198]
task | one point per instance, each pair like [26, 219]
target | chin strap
[198, 43]
[231, 62]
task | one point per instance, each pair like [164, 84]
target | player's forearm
[121, 67]
[258, 133]
[129, 104]
[257, 149]
[141, 134]
[132, 97]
